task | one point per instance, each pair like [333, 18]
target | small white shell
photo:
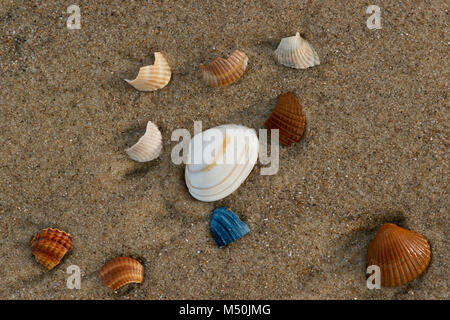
[151, 78]
[296, 52]
[235, 154]
[149, 145]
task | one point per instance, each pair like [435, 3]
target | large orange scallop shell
[289, 117]
[223, 72]
[50, 245]
[120, 271]
[401, 254]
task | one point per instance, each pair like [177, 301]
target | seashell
[50, 245]
[401, 254]
[149, 145]
[219, 160]
[120, 271]
[223, 72]
[289, 117]
[296, 52]
[151, 78]
[226, 226]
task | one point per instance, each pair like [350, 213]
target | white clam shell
[296, 52]
[149, 145]
[151, 78]
[219, 160]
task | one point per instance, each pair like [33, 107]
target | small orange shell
[223, 72]
[50, 245]
[401, 254]
[289, 117]
[154, 77]
[120, 271]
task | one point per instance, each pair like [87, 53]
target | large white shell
[219, 160]
[149, 145]
[296, 52]
[151, 78]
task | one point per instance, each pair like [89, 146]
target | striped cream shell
[149, 145]
[296, 52]
[401, 254]
[120, 271]
[223, 72]
[151, 78]
[219, 161]
[50, 245]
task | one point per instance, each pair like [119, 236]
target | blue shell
[226, 226]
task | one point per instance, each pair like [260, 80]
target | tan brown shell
[401, 254]
[151, 78]
[50, 245]
[223, 72]
[289, 117]
[120, 271]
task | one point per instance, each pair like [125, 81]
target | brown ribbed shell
[289, 117]
[120, 271]
[223, 72]
[401, 254]
[50, 245]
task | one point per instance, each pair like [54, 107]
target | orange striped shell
[154, 77]
[50, 245]
[120, 271]
[223, 72]
[401, 254]
[289, 117]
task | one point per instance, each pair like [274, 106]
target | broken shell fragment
[296, 52]
[226, 226]
[120, 271]
[289, 117]
[151, 78]
[149, 145]
[223, 72]
[401, 254]
[50, 245]
[219, 160]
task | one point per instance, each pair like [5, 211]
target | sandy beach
[375, 150]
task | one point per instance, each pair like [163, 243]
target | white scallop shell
[149, 145]
[151, 78]
[296, 52]
[219, 160]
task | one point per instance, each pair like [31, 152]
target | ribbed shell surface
[149, 145]
[120, 271]
[401, 254]
[50, 245]
[151, 78]
[226, 226]
[296, 52]
[289, 117]
[223, 72]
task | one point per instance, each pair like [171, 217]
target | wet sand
[375, 148]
